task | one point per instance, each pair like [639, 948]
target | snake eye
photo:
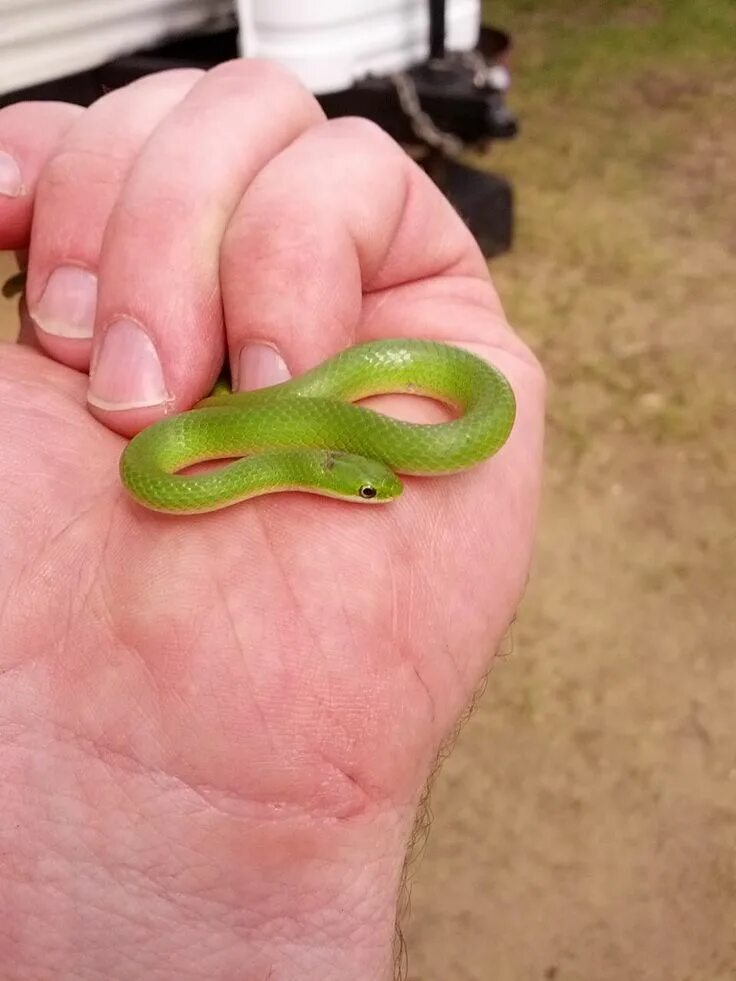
[367, 491]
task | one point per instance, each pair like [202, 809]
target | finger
[75, 195]
[311, 265]
[27, 334]
[160, 344]
[307, 261]
[29, 131]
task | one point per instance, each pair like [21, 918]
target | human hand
[216, 729]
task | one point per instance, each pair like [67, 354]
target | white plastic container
[329, 44]
[42, 40]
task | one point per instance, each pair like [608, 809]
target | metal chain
[479, 66]
[421, 123]
[485, 75]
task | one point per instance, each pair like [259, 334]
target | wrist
[127, 874]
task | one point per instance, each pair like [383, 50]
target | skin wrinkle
[44, 393]
[273, 927]
[25, 572]
[412, 180]
[394, 604]
[62, 167]
[346, 616]
[293, 593]
[146, 883]
[411, 594]
[299, 254]
[368, 790]
[434, 544]
[79, 600]
[425, 584]
[106, 587]
[162, 919]
[186, 642]
[243, 660]
[367, 797]
[37, 394]
[131, 650]
[428, 693]
[401, 644]
[171, 210]
[380, 263]
[262, 811]
[441, 268]
[38, 561]
[187, 638]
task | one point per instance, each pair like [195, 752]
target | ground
[584, 826]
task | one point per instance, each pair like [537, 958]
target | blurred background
[584, 827]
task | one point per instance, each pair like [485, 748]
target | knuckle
[261, 75]
[170, 76]
[362, 130]
[21, 121]
[72, 166]
[9, 115]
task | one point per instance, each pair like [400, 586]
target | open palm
[292, 656]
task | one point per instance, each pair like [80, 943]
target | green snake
[307, 435]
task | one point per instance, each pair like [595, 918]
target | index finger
[341, 238]
[29, 131]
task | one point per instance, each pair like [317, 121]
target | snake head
[356, 478]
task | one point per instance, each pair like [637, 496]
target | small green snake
[307, 435]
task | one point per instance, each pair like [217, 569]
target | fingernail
[260, 366]
[11, 179]
[127, 373]
[68, 304]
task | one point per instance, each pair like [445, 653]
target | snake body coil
[305, 434]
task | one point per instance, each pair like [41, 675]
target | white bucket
[329, 44]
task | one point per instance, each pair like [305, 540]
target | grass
[624, 241]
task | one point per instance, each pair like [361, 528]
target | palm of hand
[291, 652]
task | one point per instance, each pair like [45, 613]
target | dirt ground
[585, 824]
[584, 827]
